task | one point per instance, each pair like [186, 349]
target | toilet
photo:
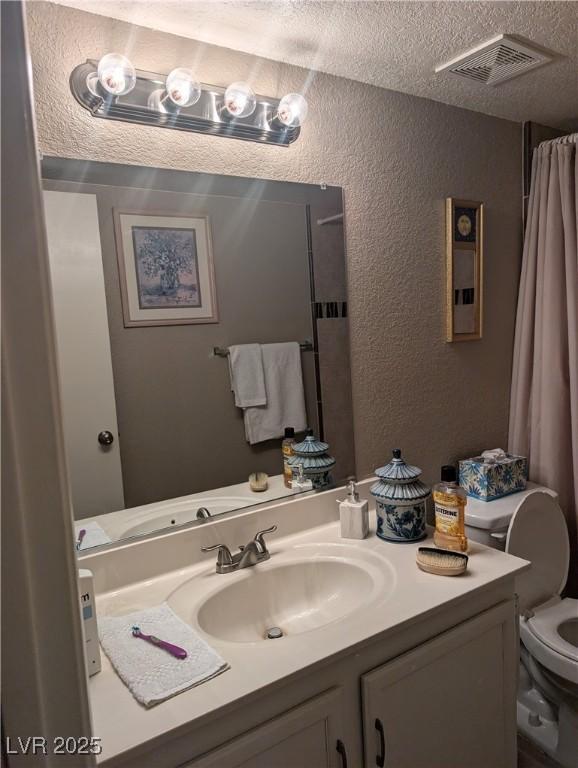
[531, 525]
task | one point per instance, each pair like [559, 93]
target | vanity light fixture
[113, 89]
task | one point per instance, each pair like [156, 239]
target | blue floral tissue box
[492, 480]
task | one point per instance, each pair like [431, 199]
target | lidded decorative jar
[313, 462]
[400, 500]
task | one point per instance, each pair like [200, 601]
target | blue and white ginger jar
[400, 501]
[312, 459]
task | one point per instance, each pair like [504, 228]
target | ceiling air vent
[497, 60]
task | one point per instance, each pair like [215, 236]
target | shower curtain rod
[570, 138]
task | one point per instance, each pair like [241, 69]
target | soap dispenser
[353, 514]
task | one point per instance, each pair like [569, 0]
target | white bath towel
[94, 536]
[247, 377]
[285, 397]
[151, 673]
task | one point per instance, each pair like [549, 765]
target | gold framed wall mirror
[464, 269]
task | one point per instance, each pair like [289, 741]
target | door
[83, 347]
[307, 736]
[450, 703]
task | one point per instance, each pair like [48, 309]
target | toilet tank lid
[538, 533]
[496, 515]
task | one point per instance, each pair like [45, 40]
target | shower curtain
[544, 394]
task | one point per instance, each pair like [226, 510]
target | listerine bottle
[449, 504]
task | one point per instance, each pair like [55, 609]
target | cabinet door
[450, 703]
[307, 736]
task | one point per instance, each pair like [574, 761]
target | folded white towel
[285, 397]
[151, 673]
[94, 536]
[247, 377]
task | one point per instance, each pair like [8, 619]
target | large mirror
[197, 318]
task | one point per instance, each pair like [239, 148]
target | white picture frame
[166, 268]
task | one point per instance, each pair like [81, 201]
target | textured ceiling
[394, 45]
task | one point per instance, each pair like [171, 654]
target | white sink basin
[182, 512]
[291, 592]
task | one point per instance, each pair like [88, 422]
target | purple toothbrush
[81, 535]
[174, 650]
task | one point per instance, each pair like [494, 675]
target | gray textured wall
[397, 157]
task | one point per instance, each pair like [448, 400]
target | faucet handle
[260, 541]
[224, 557]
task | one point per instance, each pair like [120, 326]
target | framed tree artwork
[464, 269]
[166, 268]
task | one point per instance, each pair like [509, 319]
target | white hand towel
[247, 377]
[152, 674]
[94, 536]
[285, 398]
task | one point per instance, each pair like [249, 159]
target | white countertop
[122, 724]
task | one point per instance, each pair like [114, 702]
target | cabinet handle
[340, 747]
[380, 758]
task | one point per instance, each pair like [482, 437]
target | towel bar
[306, 346]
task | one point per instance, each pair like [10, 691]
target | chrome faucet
[254, 552]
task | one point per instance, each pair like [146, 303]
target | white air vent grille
[497, 60]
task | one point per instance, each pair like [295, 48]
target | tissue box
[489, 481]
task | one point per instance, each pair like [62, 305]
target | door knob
[105, 437]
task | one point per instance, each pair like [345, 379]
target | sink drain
[274, 633]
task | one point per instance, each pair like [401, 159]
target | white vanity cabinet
[421, 673]
[449, 702]
[307, 736]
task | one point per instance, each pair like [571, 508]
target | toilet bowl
[545, 636]
[548, 681]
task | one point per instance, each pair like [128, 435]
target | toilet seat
[545, 622]
[538, 533]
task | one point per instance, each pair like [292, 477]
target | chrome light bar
[148, 103]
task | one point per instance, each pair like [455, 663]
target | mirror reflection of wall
[275, 252]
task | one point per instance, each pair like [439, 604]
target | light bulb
[116, 74]
[240, 100]
[292, 110]
[182, 88]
